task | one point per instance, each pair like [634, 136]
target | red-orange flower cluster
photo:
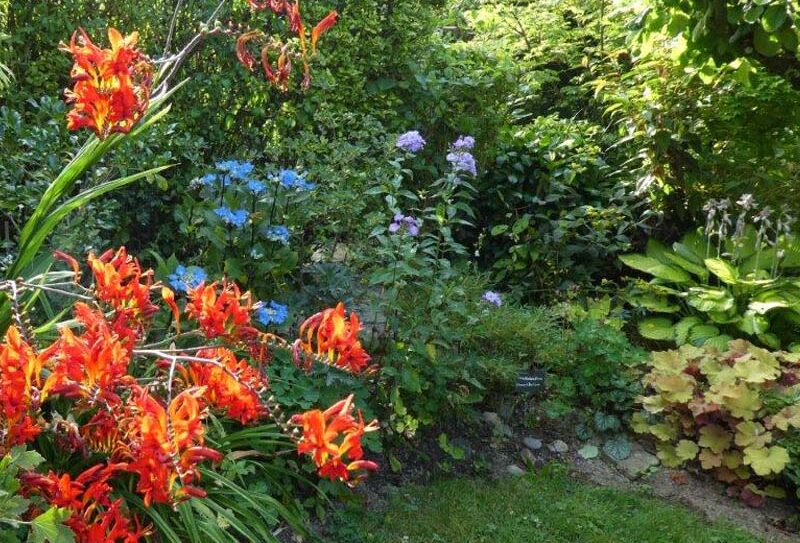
[90, 365]
[164, 446]
[221, 310]
[331, 334]
[112, 86]
[333, 440]
[96, 517]
[20, 391]
[233, 386]
[279, 72]
[121, 283]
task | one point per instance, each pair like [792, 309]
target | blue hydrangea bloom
[183, 278]
[235, 168]
[278, 233]
[272, 313]
[236, 218]
[208, 179]
[411, 141]
[293, 180]
[256, 187]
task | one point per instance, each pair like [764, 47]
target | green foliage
[597, 374]
[46, 527]
[698, 298]
[555, 213]
[727, 409]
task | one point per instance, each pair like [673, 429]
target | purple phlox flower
[411, 141]
[411, 224]
[492, 298]
[463, 161]
[464, 143]
[235, 218]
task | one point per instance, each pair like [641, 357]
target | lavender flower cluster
[408, 222]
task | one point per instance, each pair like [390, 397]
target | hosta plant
[132, 401]
[724, 410]
[733, 280]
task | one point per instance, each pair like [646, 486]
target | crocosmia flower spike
[331, 335]
[111, 88]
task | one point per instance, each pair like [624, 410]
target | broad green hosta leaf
[656, 268]
[658, 328]
[770, 340]
[710, 299]
[682, 328]
[656, 304]
[752, 323]
[698, 335]
[727, 273]
[720, 343]
[688, 265]
[655, 249]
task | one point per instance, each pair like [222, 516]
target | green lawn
[547, 507]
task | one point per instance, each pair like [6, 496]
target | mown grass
[547, 507]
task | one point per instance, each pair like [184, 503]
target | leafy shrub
[554, 213]
[729, 410]
[597, 373]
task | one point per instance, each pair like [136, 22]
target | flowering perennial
[271, 313]
[411, 141]
[185, 278]
[111, 88]
[278, 71]
[153, 427]
[331, 334]
[410, 223]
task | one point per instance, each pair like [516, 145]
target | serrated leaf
[686, 450]
[49, 528]
[715, 438]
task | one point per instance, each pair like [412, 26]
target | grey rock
[515, 470]
[491, 418]
[558, 447]
[638, 463]
[532, 443]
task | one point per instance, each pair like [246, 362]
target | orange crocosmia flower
[95, 516]
[221, 310]
[169, 297]
[70, 260]
[331, 334]
[90, 365]
[111, 89]
[234, 386]
[323, 26]
[121, 283]
[20, 391]
[164, 446]
[333, 440]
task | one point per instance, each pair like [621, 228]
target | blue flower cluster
[183, 278]
[271, 313]
[411, 141]
[236, 218]
[235, 168]
[293, 180]
[256, 187]
[279, 233]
